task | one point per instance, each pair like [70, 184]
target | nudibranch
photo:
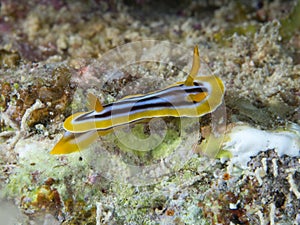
[194, 97]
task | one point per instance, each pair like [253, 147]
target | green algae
[291, 24]
[162, 149]
[223, 37]
[30, 180]
[224, 154]
[191, 192]
[133, 205]
[149, 204]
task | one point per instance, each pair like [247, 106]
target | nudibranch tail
[74, 142]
